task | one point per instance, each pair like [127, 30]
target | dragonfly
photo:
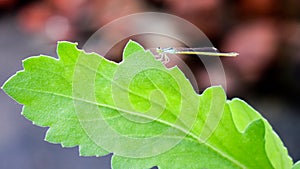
[206, 51]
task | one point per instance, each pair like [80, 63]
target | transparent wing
[161, 53]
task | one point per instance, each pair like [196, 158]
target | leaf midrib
[140, 115]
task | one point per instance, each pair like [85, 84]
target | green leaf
[144, 113]
[296, 165]
[131, 48]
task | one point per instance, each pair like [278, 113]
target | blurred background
[266, 33]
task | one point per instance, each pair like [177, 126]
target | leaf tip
[2, 86]
[66, 42]
[67, 50]
[66, 46]
[6, 86]
[215, 89]
[45, 139]
[131, 47]
[234, 100]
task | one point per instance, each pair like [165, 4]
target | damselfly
[206, 51]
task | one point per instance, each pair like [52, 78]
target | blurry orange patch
[258, 7]
[69, 8]
[192, 6]
[106, 11]
[32, 18]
